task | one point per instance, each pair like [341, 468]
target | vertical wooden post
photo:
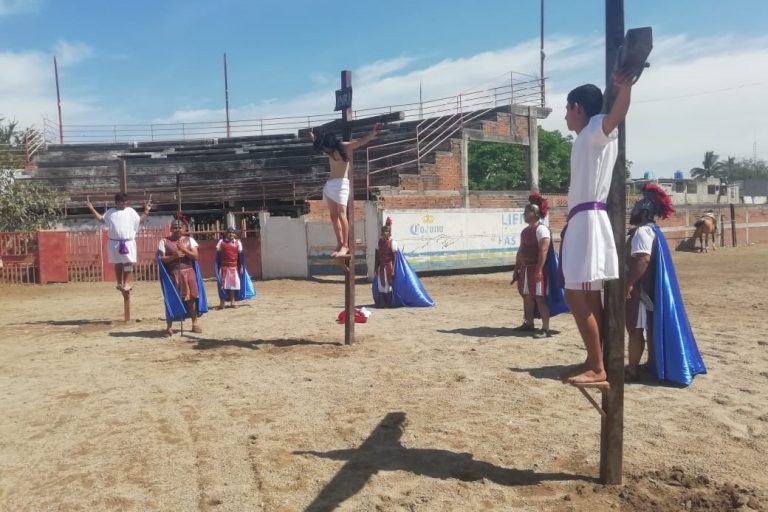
[123, 176]
[612, 426]
[733, 225]
[349, 278]
[127, 305]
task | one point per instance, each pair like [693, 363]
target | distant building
[754, 191]
[692, 191]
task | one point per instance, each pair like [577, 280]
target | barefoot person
[588, 248]
[336, 191]
[123, 223]
[180, 278]
[654, 303]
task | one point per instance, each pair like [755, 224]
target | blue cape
[555, 292]
[247, 290]
[675, 355]
[175, 308]
[407, 289]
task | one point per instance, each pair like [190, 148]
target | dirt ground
[440, 409]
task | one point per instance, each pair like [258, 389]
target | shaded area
[382, 451]
[553, 372]
[207, 344]
[66, 322]
[491, 332]
[154, 333]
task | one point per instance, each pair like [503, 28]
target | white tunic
[122, 225]
[589, 251]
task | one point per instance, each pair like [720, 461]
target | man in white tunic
[588, 249]
[122, 224]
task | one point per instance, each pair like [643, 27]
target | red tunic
[386, 261]
[229, 253]
[528, 258]
[182, 271]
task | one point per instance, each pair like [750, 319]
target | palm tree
[710, 166]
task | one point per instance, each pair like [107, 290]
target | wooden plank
[338, 125]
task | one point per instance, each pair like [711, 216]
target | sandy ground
[437, 409]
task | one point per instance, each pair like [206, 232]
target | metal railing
[446, 116]
[518, 88]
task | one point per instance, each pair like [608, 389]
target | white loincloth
[337, 190]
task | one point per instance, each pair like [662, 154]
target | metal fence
[516, 88]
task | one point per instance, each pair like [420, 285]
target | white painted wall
[283, 247]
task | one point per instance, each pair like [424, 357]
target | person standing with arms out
[123, 223]
[530, 273]
[588, 248]
[336, 191]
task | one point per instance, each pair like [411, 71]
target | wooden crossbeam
[338, 125]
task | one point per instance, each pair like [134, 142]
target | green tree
[554, 161]
[26, 205]
[494, 166]
[710, 167]
[11, 154]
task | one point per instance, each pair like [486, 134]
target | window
[711, 189]
[692, 187]
[679, 187]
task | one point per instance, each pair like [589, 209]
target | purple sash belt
[122, 248]
[581, 207]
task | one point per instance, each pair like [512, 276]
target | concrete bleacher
[246, 169]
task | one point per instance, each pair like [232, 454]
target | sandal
[524, 327]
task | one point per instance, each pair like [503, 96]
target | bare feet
[168, 332]
[587, 377]
[341, 253]
[573, 371]
[127, 287]
[197, 329]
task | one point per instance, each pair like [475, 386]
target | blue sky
[161, 61]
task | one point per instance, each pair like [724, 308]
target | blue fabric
[676, 357]
[555, 292]
[247, 290]
[407, 289]
[175, 308]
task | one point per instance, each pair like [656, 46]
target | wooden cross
[632, 51]
[345, 126]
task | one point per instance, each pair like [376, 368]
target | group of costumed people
[655, 312]
[182, 283]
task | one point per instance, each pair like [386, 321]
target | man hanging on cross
[336, 191]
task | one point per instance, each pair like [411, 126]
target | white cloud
[69, 53]
[28, 89]
[8, 7]
[699, 94]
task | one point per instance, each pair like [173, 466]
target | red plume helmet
[538, 200]
[179, 215]
[388, 222]
[659, 196]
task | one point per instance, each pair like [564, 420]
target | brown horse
[705, 226]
